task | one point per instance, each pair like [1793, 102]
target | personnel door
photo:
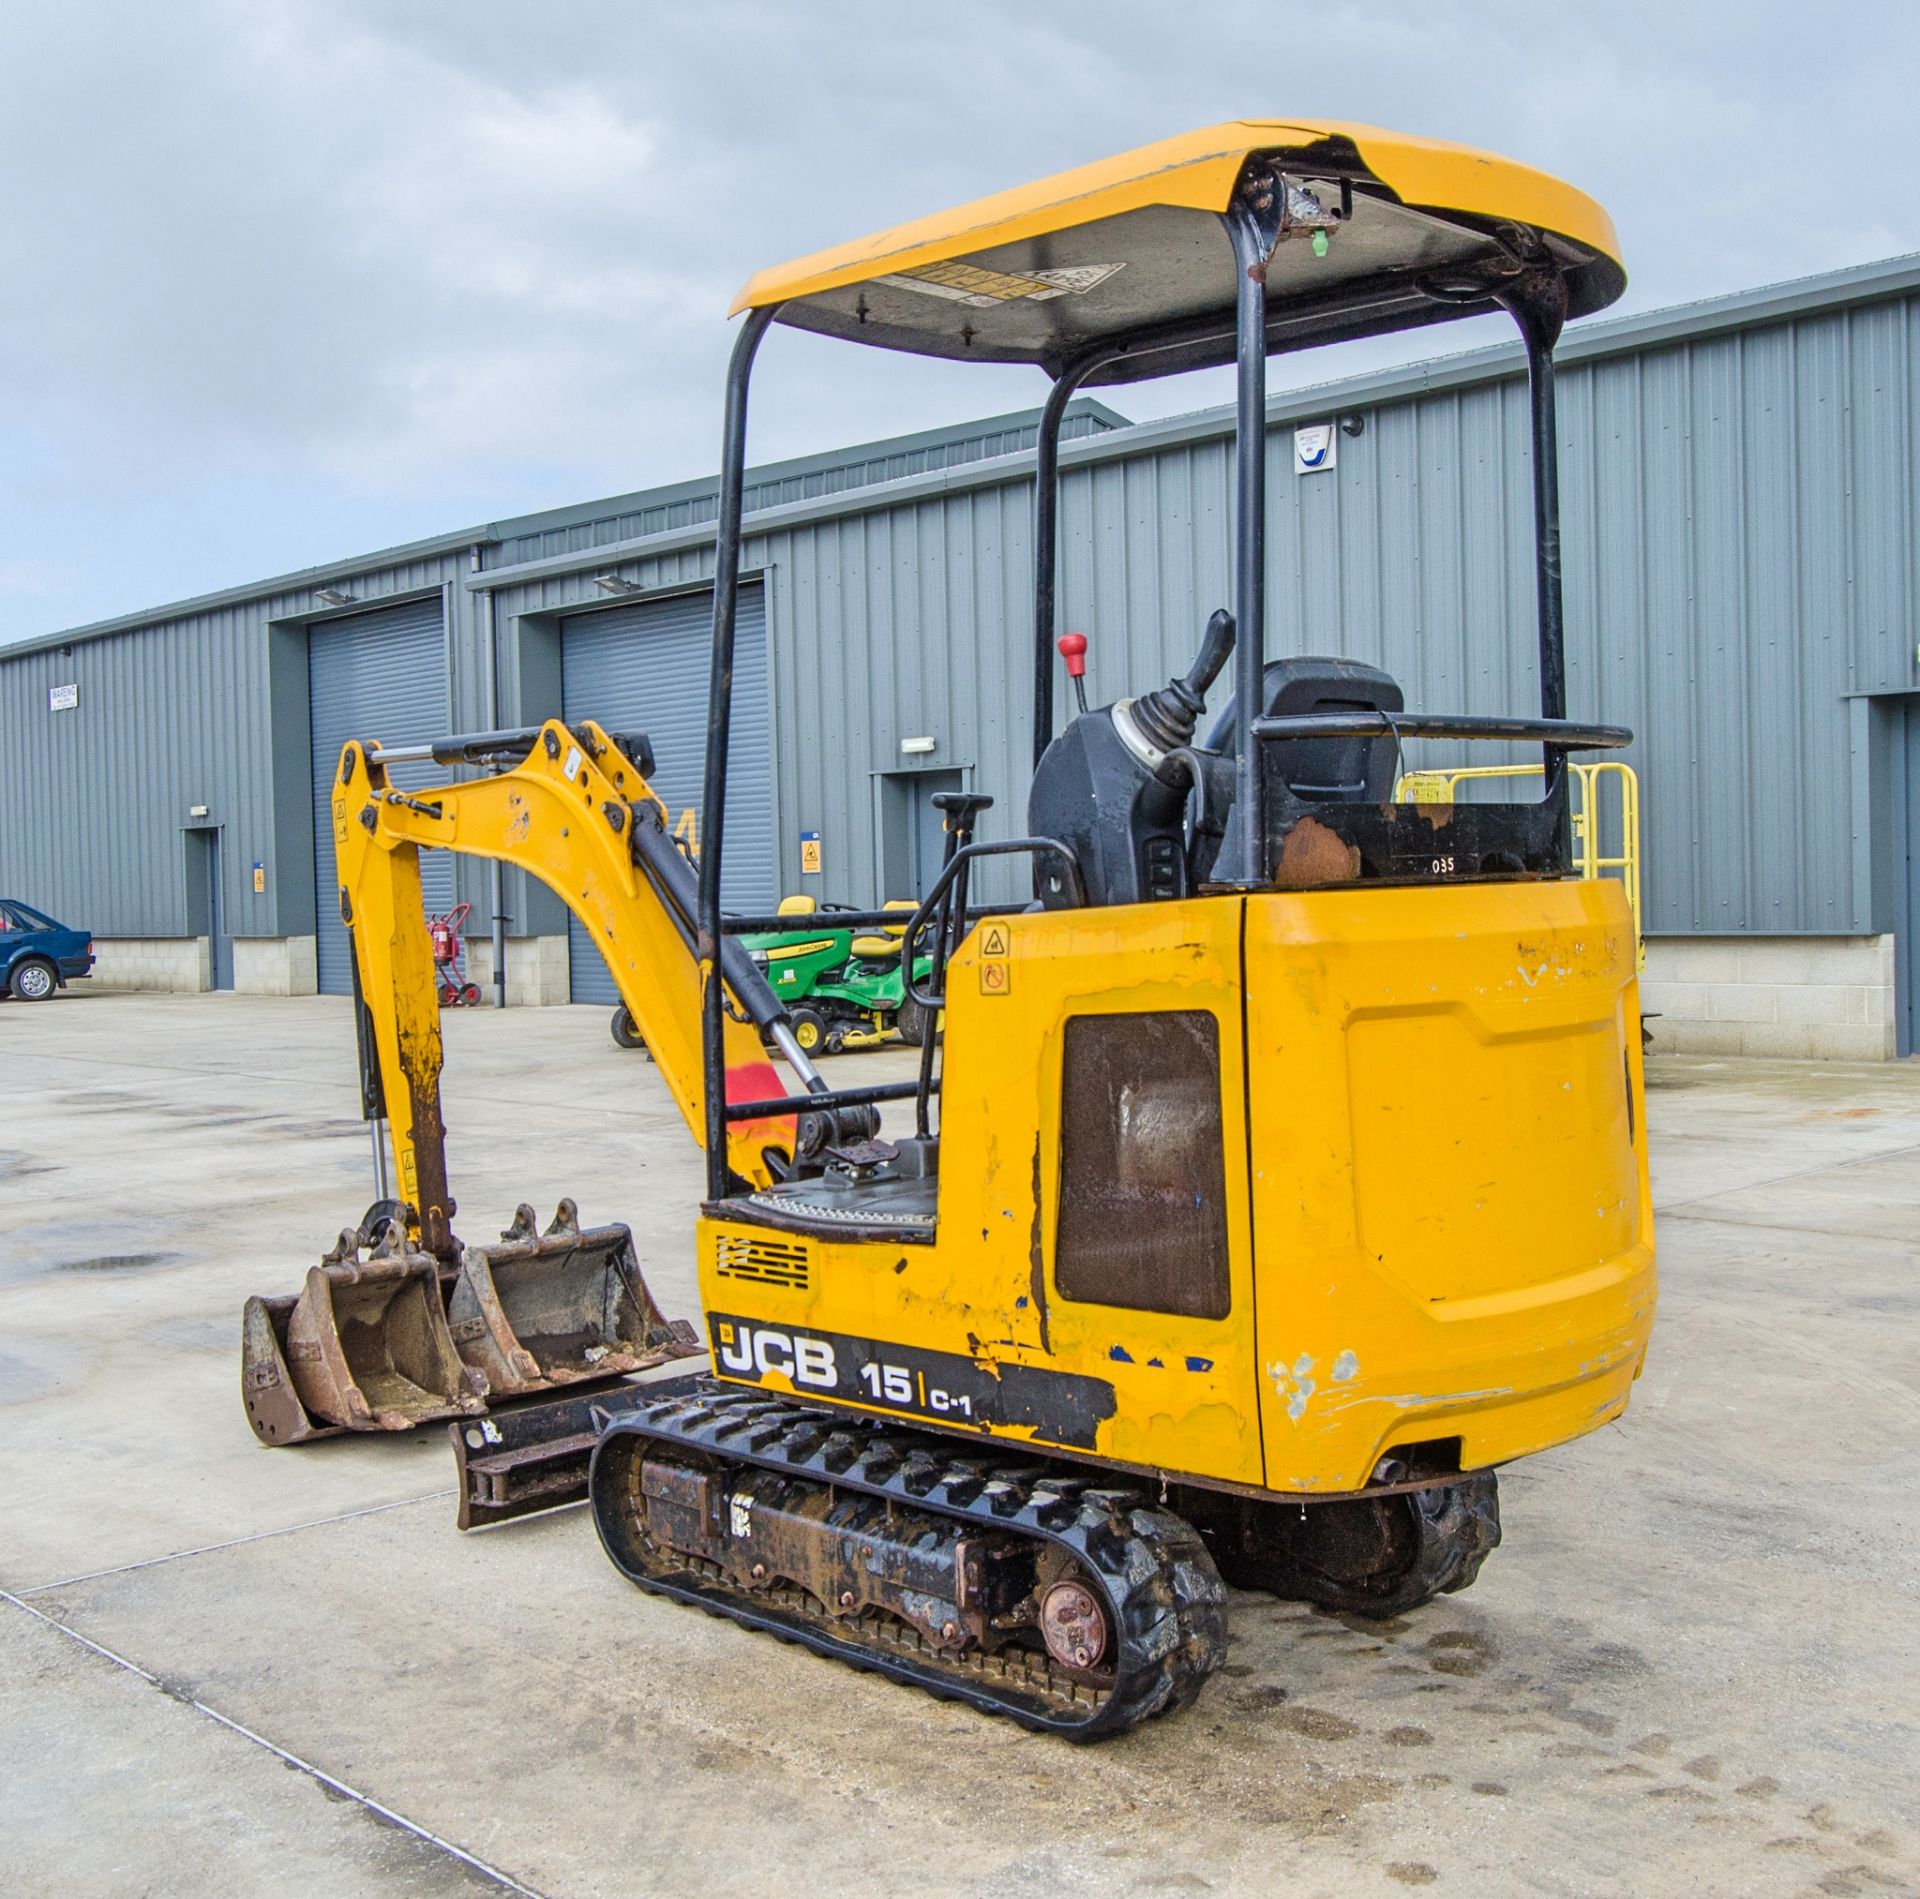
[1906, 940]
[913, 842]
[205, 910]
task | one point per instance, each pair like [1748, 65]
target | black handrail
[812, 1104]
[1442, 725]
[1001, 847]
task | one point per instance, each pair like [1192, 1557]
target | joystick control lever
[1166, 719]
[1114, 786]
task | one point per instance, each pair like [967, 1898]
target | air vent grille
[764, 1262]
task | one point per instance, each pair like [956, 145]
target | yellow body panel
[1437, 1212]
[1195, 171]
[1450, 1192]
[984, 1290]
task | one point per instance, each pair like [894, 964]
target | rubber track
[1165, 1600]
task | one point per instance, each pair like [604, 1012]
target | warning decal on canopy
[974, 285]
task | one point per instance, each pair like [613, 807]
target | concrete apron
[1692, 1665]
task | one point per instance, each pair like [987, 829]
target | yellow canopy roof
[1134, 246]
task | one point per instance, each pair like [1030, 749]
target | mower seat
[883, 947]
[796, 907]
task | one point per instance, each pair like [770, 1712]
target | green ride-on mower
[842, 989]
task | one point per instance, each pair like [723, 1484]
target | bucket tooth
[557, 1308]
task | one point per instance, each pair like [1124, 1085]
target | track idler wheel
[1073, 1625]
[1370, 1556]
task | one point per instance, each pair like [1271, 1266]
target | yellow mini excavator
[1174, 1278]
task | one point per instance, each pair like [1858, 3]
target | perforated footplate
[892, 1206]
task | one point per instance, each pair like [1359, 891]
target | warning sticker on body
[981, 288]
[996, 971]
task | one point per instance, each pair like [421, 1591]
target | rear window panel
[1143, 1204]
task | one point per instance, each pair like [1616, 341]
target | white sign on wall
[1314, 448]
[62, 698]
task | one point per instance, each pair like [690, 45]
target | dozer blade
[365, 1347]
[558, 1308]
[534, 1456]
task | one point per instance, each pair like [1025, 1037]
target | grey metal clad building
[208, 729]
[1738, 482]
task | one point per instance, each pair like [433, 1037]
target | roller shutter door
[644, 668]
[374, 676]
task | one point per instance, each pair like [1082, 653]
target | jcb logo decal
[952, 1388]
[751, 1351]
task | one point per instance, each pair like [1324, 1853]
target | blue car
[38, 955]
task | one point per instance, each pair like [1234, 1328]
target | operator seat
[796, 907]
[1326, 771]
[1317, 771]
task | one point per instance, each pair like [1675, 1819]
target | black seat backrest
[1326, 770]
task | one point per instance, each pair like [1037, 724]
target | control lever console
[1113, 786]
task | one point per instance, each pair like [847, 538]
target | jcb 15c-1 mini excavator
[1174, 1278]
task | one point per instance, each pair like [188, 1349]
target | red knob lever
[1073, 649]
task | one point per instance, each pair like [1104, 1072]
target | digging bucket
[557, 1308]
[364, 1347]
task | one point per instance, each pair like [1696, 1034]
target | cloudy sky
[291, 279]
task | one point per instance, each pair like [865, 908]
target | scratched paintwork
[1449, 1183]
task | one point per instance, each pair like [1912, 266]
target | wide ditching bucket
[557, 1308]
[364, 1347]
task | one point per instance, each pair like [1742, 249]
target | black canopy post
[1538, 305]
[713, 803]
[1046, 531]
[1254, 228]
[1046, 540]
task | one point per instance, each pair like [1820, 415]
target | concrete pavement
[1691, 1667]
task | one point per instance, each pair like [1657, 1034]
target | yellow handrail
[1438, 787]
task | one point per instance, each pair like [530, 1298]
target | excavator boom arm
[579, 815]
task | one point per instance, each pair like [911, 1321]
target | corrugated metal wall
[644, 669]
[93, 801]
[192, 711]
[812, 479]
[208, 704]
[1740, 536]
[1740, 546]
